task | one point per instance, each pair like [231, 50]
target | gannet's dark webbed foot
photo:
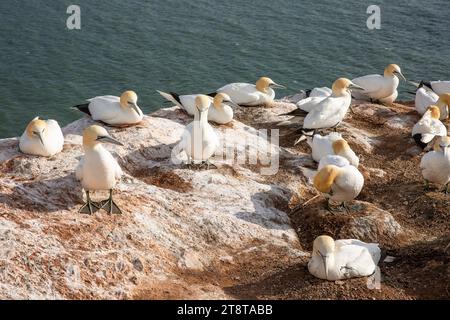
[90, 207]
[110, 206]
[445, 190]
[209, 164]
[426, 185]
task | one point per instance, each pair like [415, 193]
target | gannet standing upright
[246, 94]
[220, 113]
[381, 88]
[199, 140]
[435, 165]
[428, 127]
[343, 259]
[339, 184]
[113, 110]
[98, 170]
[42, 138]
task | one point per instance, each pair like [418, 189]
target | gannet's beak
[353, 86]
[109, 139]
[135, 107]
[277, 86]
[39, 134]
[445, 151]
[400, 75]
[232, 104]
[325, 265]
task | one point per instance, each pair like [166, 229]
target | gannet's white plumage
[339, 184]
[343, 259]
[114, 110]
[220, 111]
[341, 148]
[322, 145]
[247, 94]
[424, 98]
[444, 104]
[332, 159]
[331, 111]
[439, 87]
[321, 92]
[428, 127]
[98, 170]
[435, 165]
[42, 138]
[316, 96]
[380, 87]
[199, 140]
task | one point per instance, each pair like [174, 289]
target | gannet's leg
[334, 209]
[90, 206]
[110, 206]
[210, 164]
[445, 190]
[426, 186]
[189, 162]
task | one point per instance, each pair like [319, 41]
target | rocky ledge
[225, 232]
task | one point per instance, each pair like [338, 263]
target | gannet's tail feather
[172, 97]
[83, 108]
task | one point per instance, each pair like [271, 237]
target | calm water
[197, 46]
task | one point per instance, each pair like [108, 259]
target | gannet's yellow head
[324, 179]
[324, 247]
[222, 98]
[264, 83]
[95, 134]
[339, 146]
[445, 98]
[129, 99]
[394, 70]
[434, 112]
[343, 85]
[442, 144]
[37, 129]
[202, 103]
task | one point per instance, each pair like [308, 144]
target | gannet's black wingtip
[83, 108]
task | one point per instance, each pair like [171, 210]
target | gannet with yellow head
[343, 259]
[342, 155]
[322, 146]
[199, 140]
[220, 112]
[382, 88]
[42, 138]
[113, 110]
[435, 164]
[246, 94]
[98, 170]
[339, 184]
[428, 127]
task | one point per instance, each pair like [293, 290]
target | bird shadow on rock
[270, 209]
[51, 195]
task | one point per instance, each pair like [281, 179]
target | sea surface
[197, 46]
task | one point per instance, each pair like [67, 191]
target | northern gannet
[339, 184]
[199, 140]
[246, 94]
[424, 98]
[42, 138]
[377, 87]
[439, 87]
[221, 111]
[428, 127]
[98, 170]
[334, 160]
[112, 110]
[341, 148]
[330, 112]
[343, 259]
[322, 145]
[305, 105]
[435, 165]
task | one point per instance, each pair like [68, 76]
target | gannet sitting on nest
[113, 110]
[246, 94]
[327, 114]
[42, 138]
[428, 127]
[221, 111]
[339, 184]
[343, 259]
[199, 140]
[435, 165]
[98, 170]
[377, 87]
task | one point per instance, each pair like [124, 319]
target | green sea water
[197, 46]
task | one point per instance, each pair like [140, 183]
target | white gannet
[42, 138]
[439, 87]
[221, 111]
[334, 160]
[424, 98]
[330, 112]
[435, 165]
[322, 145]
[378, 87]
[315, 97]
[320, 92]
[341, 148]
[113, 110]
[339, 184]
[444, 104]
[343, 259]
[246, 94]
[428, 127]
[199, 140]
[98, 170]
